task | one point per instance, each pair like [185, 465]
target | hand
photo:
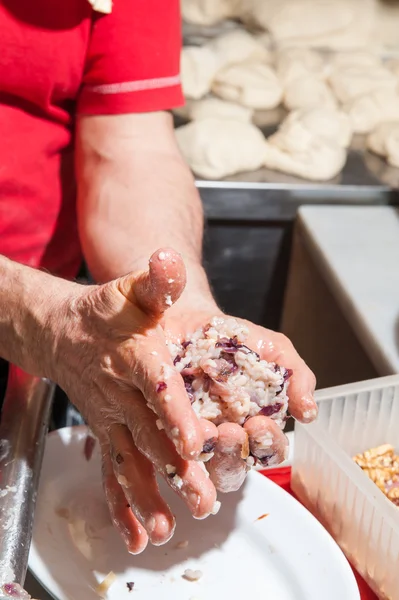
[110, 356]
[108, 353]
[260, 435]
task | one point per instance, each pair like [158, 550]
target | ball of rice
[225, 380]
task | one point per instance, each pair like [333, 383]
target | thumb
[157, 289]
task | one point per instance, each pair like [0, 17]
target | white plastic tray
[353, 418]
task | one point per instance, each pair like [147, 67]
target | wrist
[30, 306]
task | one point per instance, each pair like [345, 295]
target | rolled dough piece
[368, 111]
[216, 148]
[209, 12]
[293, 63]
[198, 67]
[384, 141]
[297, 151]
[217, 108]
[238, 46]
[393, 65]
[308, 92]
[355, 58]
[335, 24]
[350, 82]
[329, 123]
[252, 84]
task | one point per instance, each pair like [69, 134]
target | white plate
[285, 556]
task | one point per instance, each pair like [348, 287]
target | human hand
[260, 437]
[108, 353]
[110, 356]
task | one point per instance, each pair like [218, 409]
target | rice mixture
[227, 381]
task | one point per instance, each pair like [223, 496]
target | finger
[132, 532]
[164, 390]
[157, 289]
[187, 478]
[277, 348]
[228, 468]
[267, 443]
[136, 475]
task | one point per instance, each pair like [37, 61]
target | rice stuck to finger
[225, 380]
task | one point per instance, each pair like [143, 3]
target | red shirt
[59, 58]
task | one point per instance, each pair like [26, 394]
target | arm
[27, 299]
[136, 194]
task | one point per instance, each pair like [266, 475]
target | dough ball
[251, 84]
[354, 58]
[329, 123]
[393, 66]
[237, 46]
[385, 26]
[307, 92]
[295, 150]
[198, 67]
[209, 12]
[265, 39]
[219, 109]
[366, 112]
[336, 24]
[216, 148]
[384, 141]
[350, 82]
[293, 63]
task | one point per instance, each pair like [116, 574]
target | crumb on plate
[262, 517]
[103, 587]
[191, 575]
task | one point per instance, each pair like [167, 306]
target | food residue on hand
[90, 444]
[181, 545]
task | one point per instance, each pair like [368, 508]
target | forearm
[26, 299]
[135, 197]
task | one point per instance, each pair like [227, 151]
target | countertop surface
[357, 251]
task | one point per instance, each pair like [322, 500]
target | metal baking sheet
[362, 169]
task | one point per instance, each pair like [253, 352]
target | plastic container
[352, 419]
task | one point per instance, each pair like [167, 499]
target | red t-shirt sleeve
[133, 59]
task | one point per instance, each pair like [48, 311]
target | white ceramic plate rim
[316, 532]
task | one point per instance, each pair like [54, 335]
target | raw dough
[368, 111]
[307, 92]
[297, 151]
[329, 123]
[384, 141]
[238, 46]
[393, 65]
[220, 109]
[335, 24]
[252, 84]
[216, 148]
[198, 67]
[350, 82]
[293, 63]
[386, 25]
[355, 59]
[209, 12]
